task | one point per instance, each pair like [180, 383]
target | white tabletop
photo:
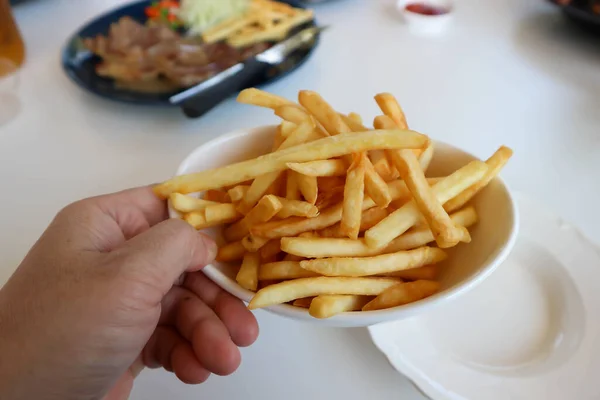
[505, 72]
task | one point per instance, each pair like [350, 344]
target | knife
[206, 95]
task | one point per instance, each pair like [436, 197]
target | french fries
[307, 287]
[408, 215]
[231, 252]
[339, 217]
[266, 209]
[353, 198]
[321, 149]
[308, 187]
[366, 266]
[247, 276]
[326, 306]
[284, 270]
[320, 168]
[185, 204]
[323, 247]
[495, 163]
[261, 98]
[444, 231]
[403, 293]
[236, 194]
[290, 208]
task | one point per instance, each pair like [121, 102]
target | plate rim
[420, 378]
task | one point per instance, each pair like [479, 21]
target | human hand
[94, 301]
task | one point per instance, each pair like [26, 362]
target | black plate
[580, 12]
[79, 63]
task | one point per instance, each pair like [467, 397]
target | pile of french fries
[338, 217]
[265, 20]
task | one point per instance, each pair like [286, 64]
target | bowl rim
[362, 318]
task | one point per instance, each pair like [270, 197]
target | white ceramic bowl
[492, 238]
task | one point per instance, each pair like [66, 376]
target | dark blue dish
[79, 63]
[580, 13]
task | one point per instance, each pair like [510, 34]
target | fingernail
[210, 246]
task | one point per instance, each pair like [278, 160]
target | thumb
[165, 251]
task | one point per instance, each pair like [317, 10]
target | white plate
[530, 331]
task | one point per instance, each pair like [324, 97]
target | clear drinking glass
[12, 55]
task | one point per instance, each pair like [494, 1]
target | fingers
[209, 337]
[160, 255]
[240, 322]
[168, 349]
[186, 365]
[142, 198]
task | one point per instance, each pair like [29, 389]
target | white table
[506, 72]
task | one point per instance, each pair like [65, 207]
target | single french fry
[253, 243]
[292, 192]
[216, 195]
[403, 293]
[247, 276]
[353, 198]
[292, 113]
[237, 193]
[283, 270]
[287, 128]
[421, 236]
[444, 231]
[495, 163]
[408, 215]
[308, 187]
[327, 247]
[369, 218]
[296, 208]
[355, 117]
[278, 139]
[354, 124]
[323, 112]
[390, 107]
[231, 252]
[270, 249]
[426, 156]
[303, 302]
[387, 122]
[260, 98]
[257, 190]
[372, 217]
[330, 216]
[222, 213]
[321, 149]
[375, 186]
[327, 305]
[184, 203]
[365, 266]
[266, 209]
[308, 287]
[333, 167]
[304, 133]
[427, 272]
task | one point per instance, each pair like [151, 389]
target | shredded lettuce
[199, 15]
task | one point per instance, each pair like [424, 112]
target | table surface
[510, 72]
